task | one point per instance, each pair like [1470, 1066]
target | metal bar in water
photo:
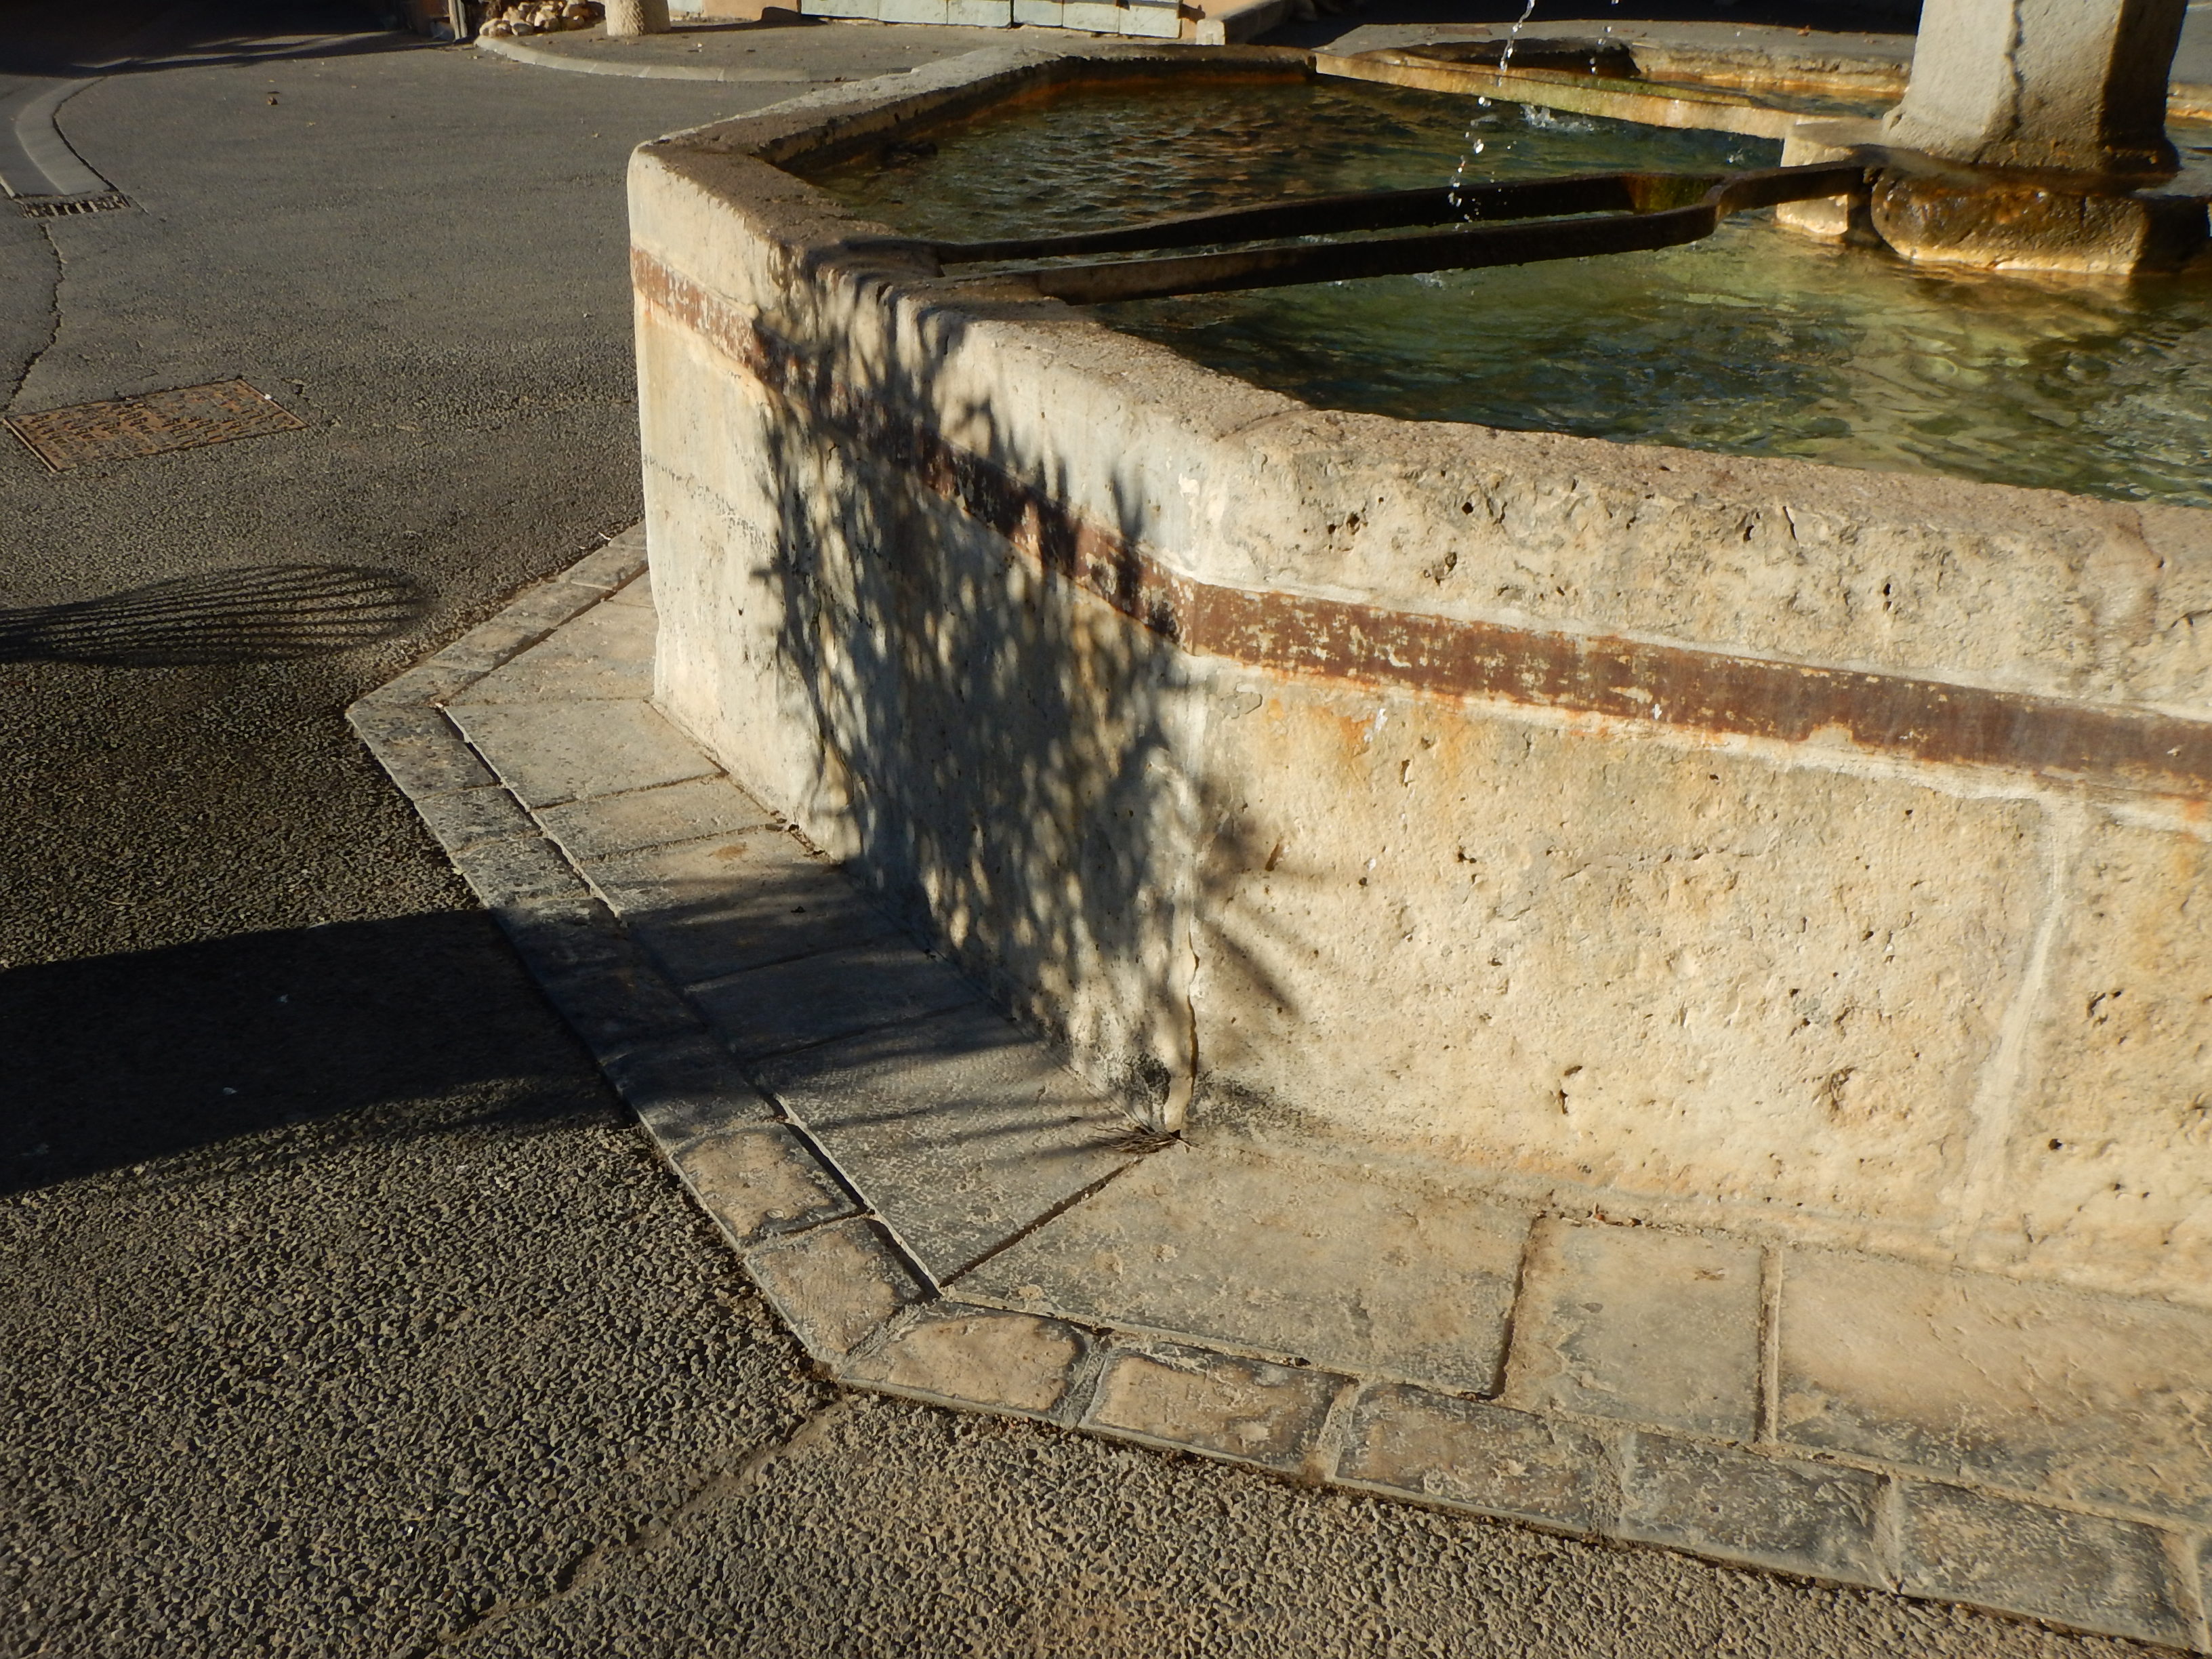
[1464, 247]
[1378, 210]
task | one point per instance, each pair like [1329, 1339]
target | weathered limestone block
[2025, 589]
[2088, 1571]
[1799, 1518]
[2107, 1177]
[1482, 1457]
[1241, 1408]
[2008, 223]
[1008, 1362]
[836, 1286]
[1613, 962]
[2084, 1399]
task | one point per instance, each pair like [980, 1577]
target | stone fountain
[1766, 907]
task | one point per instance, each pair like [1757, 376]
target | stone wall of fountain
[1690, 838]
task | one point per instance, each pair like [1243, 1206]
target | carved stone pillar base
[2010, 223]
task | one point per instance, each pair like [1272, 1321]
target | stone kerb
[1715, 842]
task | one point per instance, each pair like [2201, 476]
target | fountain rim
[825, 259]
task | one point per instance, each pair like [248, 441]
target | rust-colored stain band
[1675, 686]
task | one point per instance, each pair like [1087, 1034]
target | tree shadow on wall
[1015, 756]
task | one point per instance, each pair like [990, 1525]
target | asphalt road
[343, 1312]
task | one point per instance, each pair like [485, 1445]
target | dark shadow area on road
[350, 1031]
[259, 613]
[83, 41]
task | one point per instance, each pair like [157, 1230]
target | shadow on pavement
[67, 40]
[348, 1033]
[261, 613]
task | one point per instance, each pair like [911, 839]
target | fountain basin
[1702, 840]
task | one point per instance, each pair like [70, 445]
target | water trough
[1732, 845]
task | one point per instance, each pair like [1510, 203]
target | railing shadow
[259, 613]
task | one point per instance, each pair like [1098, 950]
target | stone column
[636, 16]
[2079, 84]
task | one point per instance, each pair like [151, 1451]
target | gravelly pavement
[344, 1313]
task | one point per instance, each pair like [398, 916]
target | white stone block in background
[1151, 21]
[1093, 15]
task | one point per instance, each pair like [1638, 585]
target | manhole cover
[62, 206]
[125, 426]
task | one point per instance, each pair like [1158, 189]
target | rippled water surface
[1754, 342]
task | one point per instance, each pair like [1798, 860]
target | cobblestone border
[864, 1307]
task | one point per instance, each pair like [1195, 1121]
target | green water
[1756, 341]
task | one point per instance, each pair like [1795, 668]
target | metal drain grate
[125, 427]
[62, 206]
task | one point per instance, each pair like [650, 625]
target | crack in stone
[53, 316]
[648, 1536]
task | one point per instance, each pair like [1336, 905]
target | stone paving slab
[691, 809]
[1481, 1457]
[963, 1356]
[760, 1180]
[684, 1085]
[938, 1209]
[1276, 1251]
[2076, 1398]
[724, 904]
[2104, 1575]
[465, 819]
[836, 1286]
[607, 652]
[765, 1012]
[1245, 1409]
[1812, 1518]
[551, 752]
[1650, 1327]
[963, 1130]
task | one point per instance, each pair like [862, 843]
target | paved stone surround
[940, 1210]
